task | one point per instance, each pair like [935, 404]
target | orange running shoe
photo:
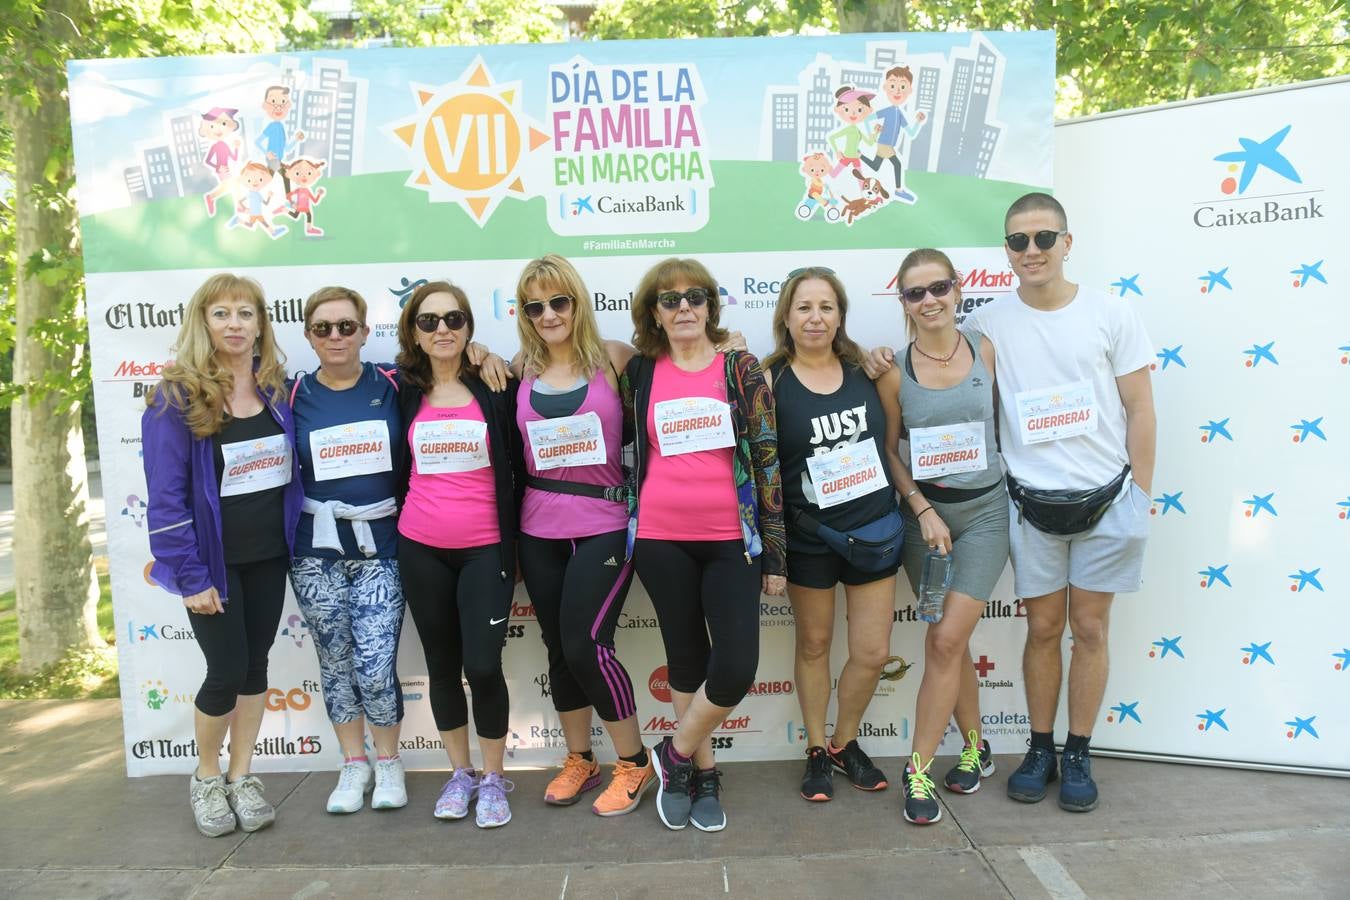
[578, 775]
[625, 791]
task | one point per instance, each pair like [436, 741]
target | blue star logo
[1257, 652]
[1128, 284]
[1301, 725]
[1171, 355]
[1256, 154]
[148, 633]
[1345, 508]
[1309, 272]
[1214, 279]
[1308, 429]
[1258, 352]
[1215, 575]
[581, 205]
[1169, 645]
[1343, 659]
[1125, 711]
[1303, 578]
[1215, 430]
[1211, 718]
[1170, 501]
[1259, 504]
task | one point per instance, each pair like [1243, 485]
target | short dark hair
[900, 72]
[1037, 201]
[411, 360]
[277, 87]
[648, 337]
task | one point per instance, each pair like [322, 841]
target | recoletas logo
[134, 511]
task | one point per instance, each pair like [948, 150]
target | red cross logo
[984, 665]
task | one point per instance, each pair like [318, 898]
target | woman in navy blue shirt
[344, 571]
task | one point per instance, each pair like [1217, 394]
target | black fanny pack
[617, 493]
[1062, 511]
[873, 547]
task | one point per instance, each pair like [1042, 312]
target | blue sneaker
[1037, 770]
[1077, 792]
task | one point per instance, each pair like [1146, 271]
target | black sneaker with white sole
[707, 814]
[674, 801]
[921, 805]
[976, 763]
[857, 765]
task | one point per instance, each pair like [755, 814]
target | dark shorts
[825, 570]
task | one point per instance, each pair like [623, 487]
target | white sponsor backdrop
[1134, 185]
[1238, 647]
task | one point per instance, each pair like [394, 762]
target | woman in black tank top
[829, 410]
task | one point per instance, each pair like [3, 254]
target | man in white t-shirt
[1075, 408]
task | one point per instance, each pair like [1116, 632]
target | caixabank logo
[1258, 184]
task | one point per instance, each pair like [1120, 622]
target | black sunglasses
[1018, 240]
[559, 304]
[937, 289]
[455, 319]
[696, 297]
[826, 270]
[345, 327]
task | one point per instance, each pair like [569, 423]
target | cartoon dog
[873, 195]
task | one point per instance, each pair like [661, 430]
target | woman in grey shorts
[955, 503]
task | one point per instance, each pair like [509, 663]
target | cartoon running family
[881, 128]
[251, 185]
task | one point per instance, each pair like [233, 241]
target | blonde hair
[917, 258]
[650, 340]
[784, 350]
[195, 381]
[556, 273]
[326, 294]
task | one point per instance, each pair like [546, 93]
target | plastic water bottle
[933, 585]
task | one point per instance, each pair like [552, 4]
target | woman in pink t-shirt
[457, 528]
[574, 527]
[708, 525]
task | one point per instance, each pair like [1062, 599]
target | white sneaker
[354, 783]
[390, 792]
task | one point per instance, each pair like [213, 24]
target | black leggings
[460, 603]
[705, 591]
[578, 587]
[236, 641]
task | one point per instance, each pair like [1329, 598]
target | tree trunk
[56, 588]
[862, 16]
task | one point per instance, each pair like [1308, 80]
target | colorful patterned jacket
[759, 490]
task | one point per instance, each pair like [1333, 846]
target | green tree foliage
[419, 24]
[615, 19]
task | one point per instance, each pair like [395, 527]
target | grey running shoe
[246, 799]
[673, 802]
[210, 808]
[976, 763]
[707, 814]
[390, 791]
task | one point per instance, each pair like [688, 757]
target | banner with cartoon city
[371, 156]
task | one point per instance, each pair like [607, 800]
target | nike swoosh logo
[497, 621]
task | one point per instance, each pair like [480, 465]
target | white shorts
[1109, 557]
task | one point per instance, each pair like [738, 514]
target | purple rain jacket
[183, 508]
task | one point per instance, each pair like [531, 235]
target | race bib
[450, 445]
[692, 424]
[361, 448]
[566, 441]
[1053, 414]
[947, 450]
[847, 473]
[255, 465]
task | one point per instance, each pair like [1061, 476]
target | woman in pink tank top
[574, 518]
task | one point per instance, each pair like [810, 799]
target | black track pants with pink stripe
[578, 588]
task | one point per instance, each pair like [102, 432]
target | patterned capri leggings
[354, 609]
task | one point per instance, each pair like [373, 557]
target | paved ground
[97, 533]
[72, 825]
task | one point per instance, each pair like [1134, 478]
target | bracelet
[924, 510]
[910, 494]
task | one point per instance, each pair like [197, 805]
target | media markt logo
[1265, 165]
[469, 141]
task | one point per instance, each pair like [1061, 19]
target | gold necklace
[943, 361]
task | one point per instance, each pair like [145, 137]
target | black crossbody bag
[1064, 512]
[869, 548]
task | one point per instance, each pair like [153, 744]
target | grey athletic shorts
[1109, 557]
[979, 530]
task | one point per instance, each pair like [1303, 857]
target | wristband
[924, 510]
[910, 494]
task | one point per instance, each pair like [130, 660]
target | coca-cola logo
[659, 684]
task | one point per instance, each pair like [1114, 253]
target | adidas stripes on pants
[578, 587]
